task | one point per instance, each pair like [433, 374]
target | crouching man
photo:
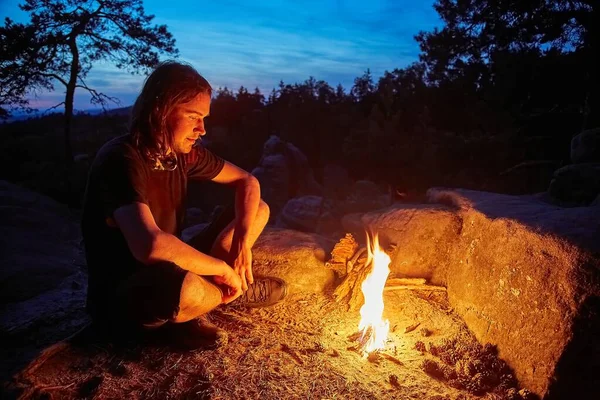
[142, 276]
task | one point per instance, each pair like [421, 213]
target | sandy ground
[299, 349]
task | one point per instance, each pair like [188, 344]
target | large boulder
[40, 243]
[585, 147]
[298, 258]
[284, 173]
[308, 214]
[524, 178]
[576, 183]
[336, 182]
[523, 274]
[423, 236]
[42, 274]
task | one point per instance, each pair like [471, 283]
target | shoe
[264, 292]
[198, 333]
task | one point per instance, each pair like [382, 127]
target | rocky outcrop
[423, 235]
[42, 279]
[298, 258]
[523, 274]
[284, 173]
[308, 214]
[576, 183]
[585, 147]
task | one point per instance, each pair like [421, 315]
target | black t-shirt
[121, 175]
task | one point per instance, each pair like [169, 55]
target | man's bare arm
[247, 199]
[247, 196]
[148, 243]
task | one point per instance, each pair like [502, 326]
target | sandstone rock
[577, 183]
[284, 173]
[525, 177]
[423, 236]
[523, 274]
[195, 216]
[336, 182]
[298, 258]
[365, 196]
[273, 175]
[308, 214]
[42, 279]
[585, 147]
[192, 231]
[40, 244]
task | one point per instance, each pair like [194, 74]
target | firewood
[340, 255]
[431, 288]
[405, 281]
[349, 291]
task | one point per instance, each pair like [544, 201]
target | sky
[260, 43]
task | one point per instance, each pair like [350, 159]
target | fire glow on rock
[374, 330]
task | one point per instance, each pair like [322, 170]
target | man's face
[186, 122]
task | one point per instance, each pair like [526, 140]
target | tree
[63, 40]
[485, 39]
[363, 87]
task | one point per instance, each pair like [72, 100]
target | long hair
[170, 84]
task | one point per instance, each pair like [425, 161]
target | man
[141, 275]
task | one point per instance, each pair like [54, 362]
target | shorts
[150, 297]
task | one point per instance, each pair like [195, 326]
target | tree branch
[58, 78]
[98, 97]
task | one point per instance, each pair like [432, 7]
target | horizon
[259, 45]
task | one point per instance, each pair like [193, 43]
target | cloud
[257, 44]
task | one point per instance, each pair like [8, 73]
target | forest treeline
[498, 91]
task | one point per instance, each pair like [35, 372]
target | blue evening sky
[259, 43]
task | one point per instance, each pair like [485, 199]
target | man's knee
[198, 296]
[263, 211]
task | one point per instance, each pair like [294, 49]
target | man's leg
[198, 296]
[222, 245]
[161, 293]
[216, 240]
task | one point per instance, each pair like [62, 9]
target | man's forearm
[167, 247]
[247, 199]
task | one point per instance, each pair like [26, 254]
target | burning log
[352, 263]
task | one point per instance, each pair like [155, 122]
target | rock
[525, 276]
[192, 231]
[273, 175]
[423, 236]
[525, 177]
[336, 182]
[195, 216]
[365, 196]
[576, 183]
[522, 273]
[298, 258]
[81, 158]
[40, 244]
[585, 147]
[42, 290]
[308, 214]
[284, 173]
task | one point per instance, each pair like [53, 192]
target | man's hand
[241, 263]
[230, 284]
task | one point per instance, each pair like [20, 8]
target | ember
[373, 328]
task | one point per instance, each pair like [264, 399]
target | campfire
[373, 328]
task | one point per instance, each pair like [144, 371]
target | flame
[373, 328]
